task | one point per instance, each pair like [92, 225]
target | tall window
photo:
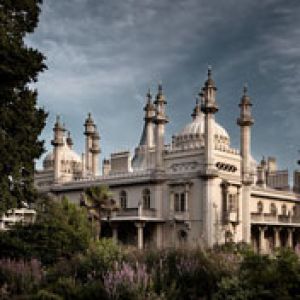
[123, 199]
[146, 198]
[260, 207]
[284, 210]
[232, 202]
[273, 209]
[180, 202]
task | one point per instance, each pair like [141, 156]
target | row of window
[179, 200]
[146, 197]
[273, 208]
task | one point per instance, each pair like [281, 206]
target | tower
[209, 108]
[245, 122]
[149, 125]
[160, 121]
[95, 150]
[57, 142]
[89, 132]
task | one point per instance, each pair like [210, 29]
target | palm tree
[98, 200]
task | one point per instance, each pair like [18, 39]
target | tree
[60, 230]
[21, 121]
[98, 201]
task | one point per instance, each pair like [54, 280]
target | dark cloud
[103, 55]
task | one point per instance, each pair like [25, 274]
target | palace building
[194, 190]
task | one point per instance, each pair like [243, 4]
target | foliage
[99, 202]
[61, 229]
[19, 277]
[21, 121]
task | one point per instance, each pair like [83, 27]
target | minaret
[245, 122]
[197, 109]
[209, 108]
[149, 125]
[69, 140]
[57, 142]
[160, 121]
[95, 152]
[89, 132]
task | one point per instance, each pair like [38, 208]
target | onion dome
[71, 161]
[192, 135]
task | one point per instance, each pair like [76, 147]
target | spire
[58, 125]
[160, 98]
[209, 83]
[209, 95]
[245, 118]
[69, 140]
[197, 109]
[149, 107]
[245, 100]
[89, 125]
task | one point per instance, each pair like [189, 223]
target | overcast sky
[102, 56]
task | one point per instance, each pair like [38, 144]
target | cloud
[103, 56]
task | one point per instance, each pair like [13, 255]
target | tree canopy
[21, 120]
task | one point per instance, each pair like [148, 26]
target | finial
[209, 71]
[149, 96]
[57, 118]
[245, 90]
[69, 134]
[160, 89]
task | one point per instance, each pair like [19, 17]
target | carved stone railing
[271, 218]
[136, 212]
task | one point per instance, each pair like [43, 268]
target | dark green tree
[61, 229]
[21, 120]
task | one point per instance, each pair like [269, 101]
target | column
[140, 234]
[277, 243]
[159, 236]
[262, 241]
[115, 232]
[290, 237]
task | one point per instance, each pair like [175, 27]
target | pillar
[209, 108]
[57, 142]
[262, 241]
[159, 236]
[95, 151]
[160, 121]
[245, 122]
[89, 132]
[140, 234]
[290, 237]
[115, 233]
[277, 242]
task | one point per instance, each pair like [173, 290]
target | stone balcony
[263, 218]
[136, 212]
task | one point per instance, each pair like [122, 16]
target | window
[283, 209]
[180, 202]
[273, 209]
[260, 207]
[123, 199]
[146, 198]
[232, 203]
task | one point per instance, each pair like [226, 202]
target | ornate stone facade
[197, 190]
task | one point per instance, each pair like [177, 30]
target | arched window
[123, 199]
[146, 198]
[260, 207]
[273, 209]
[283, 210]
